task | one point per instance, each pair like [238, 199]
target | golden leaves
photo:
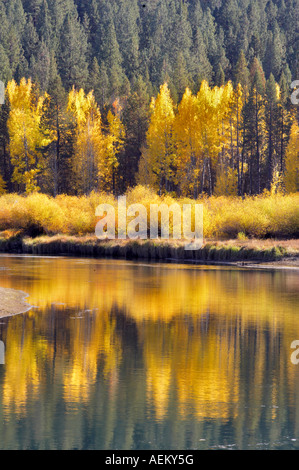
[26, 133]
[292, 161]
[178, 143]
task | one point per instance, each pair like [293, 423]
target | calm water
[121, 355]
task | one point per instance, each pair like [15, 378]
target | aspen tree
[292, 161]
[188, 144]
[160, 144]
[25, 134]
[114, 143]
[213, 108]
[89, 140]
[2, 185]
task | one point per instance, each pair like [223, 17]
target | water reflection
[124, 355]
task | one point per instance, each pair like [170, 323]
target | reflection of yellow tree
[203, 370]
[24, 358]
[209, 377]
[94, 346]
[100, 349]
[157, 352]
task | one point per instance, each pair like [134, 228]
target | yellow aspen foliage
[188, 144]
[213, 109]
[114, 143]
[145, 175]
[226, 183]
[89, 140]
[2, 185]
[291, 180]
[25, 133]
[160, 155]
[277, 183]
[278, 92]
[184, 148]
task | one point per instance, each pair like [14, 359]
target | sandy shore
[12, 302]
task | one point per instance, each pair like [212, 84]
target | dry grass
[212, 251]
[291, 246]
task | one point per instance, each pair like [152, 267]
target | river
[124, 355]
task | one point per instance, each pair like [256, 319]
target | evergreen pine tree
[135, 119]
[72, 62]
[40, 71]
[242, 71]
[109, 52]
[5, 70]
[59, 153]
[271, 123]
[220, 76]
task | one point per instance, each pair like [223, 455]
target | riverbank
[213, 251]
[12, 302]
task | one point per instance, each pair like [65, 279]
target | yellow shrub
[273, 215]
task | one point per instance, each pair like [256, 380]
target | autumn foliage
[224, 140]
[224, 217]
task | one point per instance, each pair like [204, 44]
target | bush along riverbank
[267, 216]
[157, 250]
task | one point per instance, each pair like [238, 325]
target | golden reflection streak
[22, 367]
